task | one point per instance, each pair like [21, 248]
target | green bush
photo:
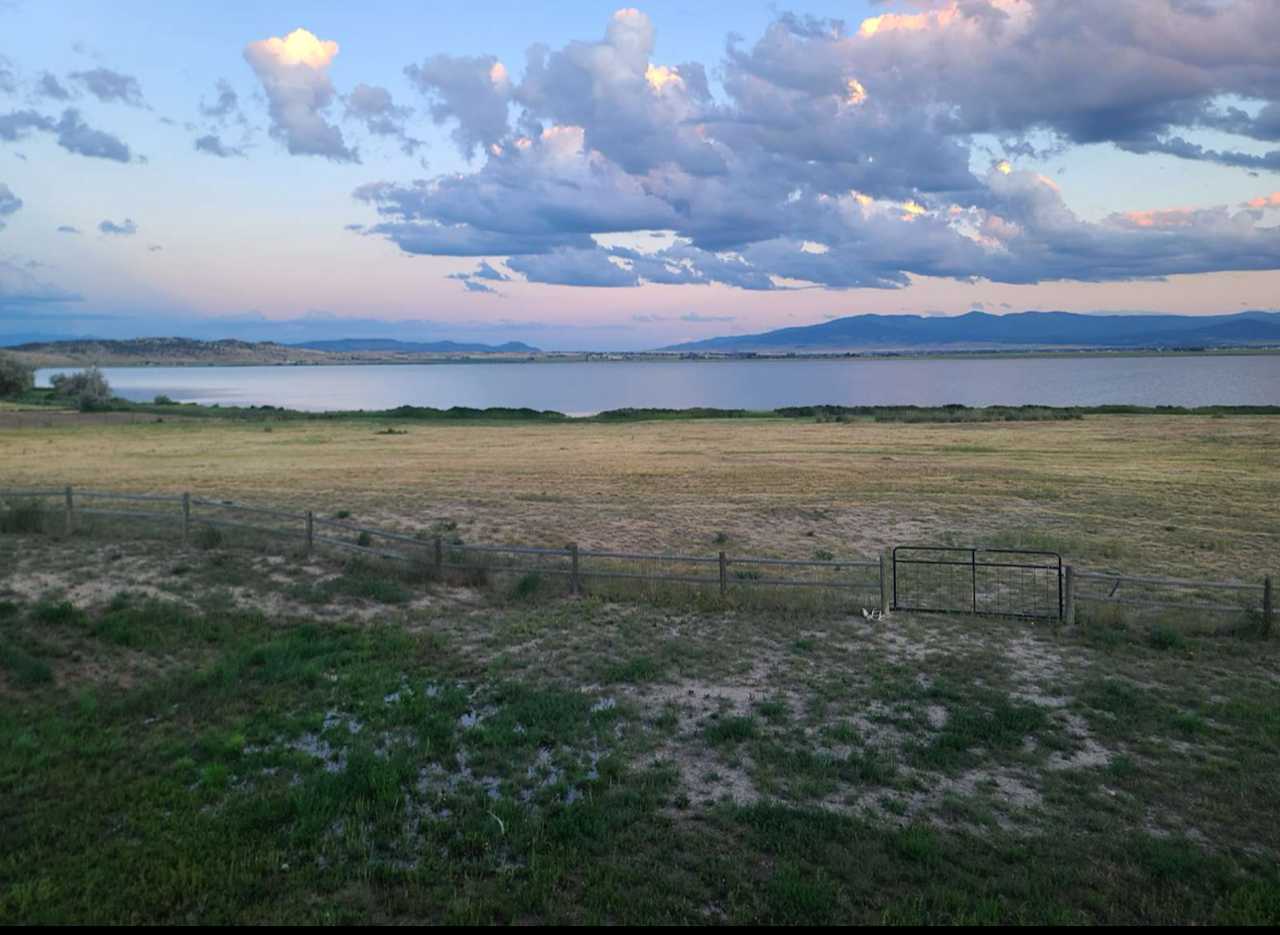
[16, 377]
[87, 388]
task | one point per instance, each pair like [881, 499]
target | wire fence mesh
[919, 578]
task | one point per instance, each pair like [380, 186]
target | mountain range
[980, 330]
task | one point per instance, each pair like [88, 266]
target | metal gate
[1007, 582]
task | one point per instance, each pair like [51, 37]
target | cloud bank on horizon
[819, 155]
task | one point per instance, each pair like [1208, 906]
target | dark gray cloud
[212, 144]
[294, 72]
[126, 228]
[75, 136]
[843, 157]
[49, 86]
[574, 267]
[68, 229]
[9, 203]
[71, 132]
[225, 107]
[16, 125]
[108, 86]
[485, 271]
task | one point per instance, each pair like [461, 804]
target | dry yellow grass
[1181, 494]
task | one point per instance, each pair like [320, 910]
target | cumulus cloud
[108, 86]
[373, 106]
[294, 72]
[127, 228]
[474, 92]
[9, 203]
[843, 157]
[574, 267]
[75, 136]
[71, 133]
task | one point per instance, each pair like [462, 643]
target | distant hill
[979, 330]
[413, 347]
[174, 352]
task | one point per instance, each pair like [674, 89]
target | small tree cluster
[89, 388]
[15, 376]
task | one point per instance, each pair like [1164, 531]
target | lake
[584, 388]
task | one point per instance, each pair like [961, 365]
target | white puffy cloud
[474, 92]
[294, 71]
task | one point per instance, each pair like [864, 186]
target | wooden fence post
[69, 519]
[724, 575]
[186, 518]
[1069, 596]
[311, 531]
[573, 572]
[886, 592]
[1268, 607]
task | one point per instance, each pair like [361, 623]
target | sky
[594, 177]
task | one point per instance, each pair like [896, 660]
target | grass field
[1189, 495]
[248, 733]
[231, 735]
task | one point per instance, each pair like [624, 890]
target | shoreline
[52, 362]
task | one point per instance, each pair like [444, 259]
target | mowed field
[1186, 495]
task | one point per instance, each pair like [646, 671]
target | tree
[89, 388]
[15, 376]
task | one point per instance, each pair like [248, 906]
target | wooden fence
[869, 581]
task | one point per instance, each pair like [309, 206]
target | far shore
[50, 361]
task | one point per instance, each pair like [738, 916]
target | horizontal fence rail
[877, 581]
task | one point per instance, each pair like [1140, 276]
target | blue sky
[642, 179]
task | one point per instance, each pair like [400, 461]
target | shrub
[16, 377]
[23, 516]
[208, 537]
[163, 400]
[88, 388]
[526, 586]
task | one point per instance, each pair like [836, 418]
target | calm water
[581, 388]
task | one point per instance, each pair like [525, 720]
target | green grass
[504, 760]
